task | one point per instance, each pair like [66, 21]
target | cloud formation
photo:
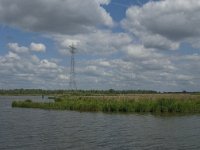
[106, 57]
[38, 47]
[55, 16]
[18, 49]
[100, 42]
[29, 71]
[165, 24]
[136, 68]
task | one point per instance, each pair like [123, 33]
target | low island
[120, 103]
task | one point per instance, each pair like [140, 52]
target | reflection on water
[50, 130]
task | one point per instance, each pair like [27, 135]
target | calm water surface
[35, 129]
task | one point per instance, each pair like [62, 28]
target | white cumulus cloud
[100, 42]
[165, 24]
[16, 48]
[38, 47]
[55, 16]
[103, 2]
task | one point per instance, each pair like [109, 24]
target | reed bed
[152, 103]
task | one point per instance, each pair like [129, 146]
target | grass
[153, 103]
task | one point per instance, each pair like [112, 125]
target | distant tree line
[80, 92]
[29, 92]
[73, 92]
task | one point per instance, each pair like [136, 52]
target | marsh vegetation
[153, 103]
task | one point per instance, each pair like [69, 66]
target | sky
[120, 44]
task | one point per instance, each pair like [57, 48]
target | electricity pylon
[72, 82]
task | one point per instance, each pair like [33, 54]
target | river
[36, 129]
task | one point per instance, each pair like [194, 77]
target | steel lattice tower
[72, 82]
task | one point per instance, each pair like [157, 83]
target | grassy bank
[142, 103]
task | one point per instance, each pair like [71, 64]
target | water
[36, 129]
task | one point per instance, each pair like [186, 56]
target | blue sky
[121, 44]
[117, 8]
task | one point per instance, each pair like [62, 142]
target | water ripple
[49, 130]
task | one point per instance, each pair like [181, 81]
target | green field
[149, 103]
